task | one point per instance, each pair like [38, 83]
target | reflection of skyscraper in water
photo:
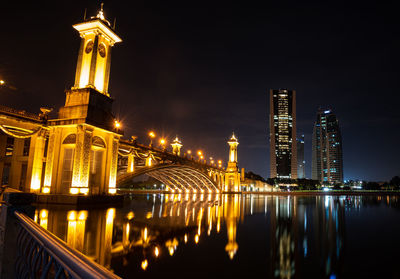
[231, 215]
[298, 230]
[283, 237]
[329, 230]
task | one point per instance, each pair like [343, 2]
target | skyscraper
[301, 163]
[327, 161]
[282, 122]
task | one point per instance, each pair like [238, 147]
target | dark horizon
[202, 73]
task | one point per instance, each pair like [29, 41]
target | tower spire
[101, 13]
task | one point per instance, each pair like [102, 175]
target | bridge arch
[178, 177]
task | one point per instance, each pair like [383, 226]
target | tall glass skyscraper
[327, 160]
[301, 163]
[282, 123]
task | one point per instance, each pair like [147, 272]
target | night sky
[201, 72]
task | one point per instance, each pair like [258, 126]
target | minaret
[176, 146]
[232, 176]
[93, 67]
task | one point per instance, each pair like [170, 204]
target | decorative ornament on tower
[176, 146]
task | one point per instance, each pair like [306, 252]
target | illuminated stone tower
[93, 67]
[232, 176]
[83, 142]
[176, 146]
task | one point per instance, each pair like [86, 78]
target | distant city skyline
[178, 72]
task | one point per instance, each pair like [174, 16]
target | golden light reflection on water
[155, 226]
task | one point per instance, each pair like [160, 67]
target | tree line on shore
[310, 184]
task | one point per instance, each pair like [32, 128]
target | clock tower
[93, 67]
[83, 141]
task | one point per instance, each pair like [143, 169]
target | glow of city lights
[74, 190]
[185, 238]
[145, 234]
[144, 264]
[200, 153]
[43, 213]
[189, 152]
[196, 238]
[117, 124]
[171, 251]
[82, 215]
[2, 82]
[152, 134]
[156, 251]
[46, 190]
[130, 215]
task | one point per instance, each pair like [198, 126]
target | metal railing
[21, 113]
[40, 254]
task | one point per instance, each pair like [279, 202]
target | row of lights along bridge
[163, 144]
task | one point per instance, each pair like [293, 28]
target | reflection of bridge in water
[152, 226]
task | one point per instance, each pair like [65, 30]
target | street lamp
[2, 82]
[117, 125]
[163, 142]
[152, 135]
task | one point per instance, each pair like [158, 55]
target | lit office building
[282, 120]
[327, 161]
[301, 163]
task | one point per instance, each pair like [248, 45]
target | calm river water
[229, 236]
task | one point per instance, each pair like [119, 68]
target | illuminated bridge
[178, 173]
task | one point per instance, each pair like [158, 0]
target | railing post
[12, 201]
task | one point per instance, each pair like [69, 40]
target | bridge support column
[131, 163]
[80, 171]
[36, 163]
[113, 155]
[148, 161]
[50, 160]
